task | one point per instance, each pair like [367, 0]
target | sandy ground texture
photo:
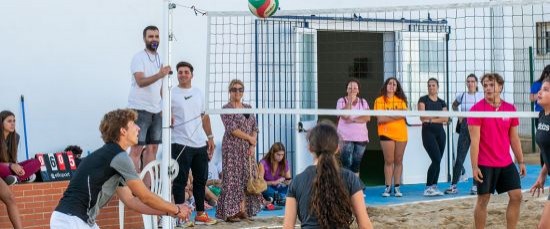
[455, 213]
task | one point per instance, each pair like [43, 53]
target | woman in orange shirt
[393, 133]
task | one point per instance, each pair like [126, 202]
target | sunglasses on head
[236, 89]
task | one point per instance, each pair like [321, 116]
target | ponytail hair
[330, 201]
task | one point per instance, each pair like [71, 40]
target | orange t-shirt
[397, 129]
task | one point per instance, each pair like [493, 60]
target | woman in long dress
[238, 148]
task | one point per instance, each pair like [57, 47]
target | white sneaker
[452, 190]
[436, 191]
[397, 192]
[386, 192]
[429, 191]
[30, 179]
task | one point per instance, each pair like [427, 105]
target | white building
[70, 60]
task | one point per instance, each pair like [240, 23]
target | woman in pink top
[274, 169]
[353, 129]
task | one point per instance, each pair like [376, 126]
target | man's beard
[152, 46]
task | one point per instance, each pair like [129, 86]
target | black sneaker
[10, 180]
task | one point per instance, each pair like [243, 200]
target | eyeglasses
[237, 89]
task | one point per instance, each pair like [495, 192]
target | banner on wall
[56, 166]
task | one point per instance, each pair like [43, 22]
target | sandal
[244, 216]
[233, 219]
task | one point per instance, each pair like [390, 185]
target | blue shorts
[150, 125]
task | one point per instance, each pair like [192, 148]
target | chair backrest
[152, 171]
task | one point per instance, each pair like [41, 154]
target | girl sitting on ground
[274, 169]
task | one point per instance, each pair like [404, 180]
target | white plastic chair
[151, 170]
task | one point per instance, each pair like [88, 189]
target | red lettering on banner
[42, 162]
[70, 156]
[60, 161]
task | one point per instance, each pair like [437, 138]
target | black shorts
[499, 179]
[385, 138]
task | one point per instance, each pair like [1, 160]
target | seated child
[275, 171]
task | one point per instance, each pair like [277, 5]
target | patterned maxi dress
[236, 166]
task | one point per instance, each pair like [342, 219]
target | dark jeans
[462, 148]
[433, 139]
[272, 189]
[352, 154]
[197, 160]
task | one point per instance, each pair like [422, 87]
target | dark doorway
[345, 55]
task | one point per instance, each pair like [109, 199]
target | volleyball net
[294, 65]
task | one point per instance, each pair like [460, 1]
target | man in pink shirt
[492, 165]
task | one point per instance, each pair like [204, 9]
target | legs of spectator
[269, 192]
[30, 166]
[346, 155]
[5, 170]
[480, 211]
[430, 144]
[210, 197]
[199, 167]
[388, 148]
[358, 151]
[462, 148]
[512, 212]
[135, 155]
[178, 187]
[398, 163]
[9, 200]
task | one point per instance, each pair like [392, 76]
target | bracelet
[210, 136]
[521, 162]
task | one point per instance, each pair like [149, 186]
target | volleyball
[263, 8]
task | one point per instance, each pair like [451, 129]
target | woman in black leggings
[433, 135]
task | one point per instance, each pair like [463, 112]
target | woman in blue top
[325, 195]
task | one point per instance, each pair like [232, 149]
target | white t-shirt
[145, 98]
[467, 100]
[214, 170]
[187, 107]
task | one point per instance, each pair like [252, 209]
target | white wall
[70, 59]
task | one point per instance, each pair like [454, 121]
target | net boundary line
[387, 9]
[334, 112]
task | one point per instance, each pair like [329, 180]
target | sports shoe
[452, 190]
[183, 223]
[30, 179]
[473, 191]
[436, 190]
[204, 219]
[10, 180]
[397, 192]
[386, 192]
[430, 191]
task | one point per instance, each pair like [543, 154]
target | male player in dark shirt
[105, 171]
